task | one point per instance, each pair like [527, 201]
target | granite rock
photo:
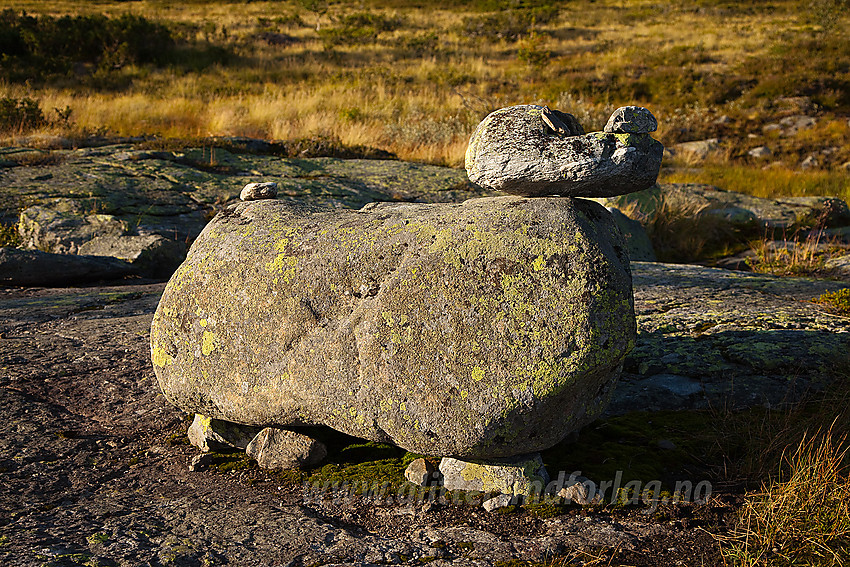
[521, 475]
[275, 448]
[631, 120]
[209, 434]
[514, 150]
[483, 329]
[257, 191]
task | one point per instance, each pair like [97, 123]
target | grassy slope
[416, 81]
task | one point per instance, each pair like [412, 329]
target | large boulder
[484, 329]
[515, 150]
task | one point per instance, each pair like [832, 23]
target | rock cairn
[481, 330]
[534, 151]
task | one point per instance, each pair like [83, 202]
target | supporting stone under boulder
[520, 475]
[275, 448]
[209, 434]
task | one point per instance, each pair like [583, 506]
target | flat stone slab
[709, 337]
[515, 150]
[738, 208]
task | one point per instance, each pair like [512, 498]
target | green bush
[358, 28]
[510, 24]
[36, 47]
[94, 49]
[20, 114]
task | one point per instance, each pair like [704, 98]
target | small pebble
[257, 191]
[499, 501]
[200, 462]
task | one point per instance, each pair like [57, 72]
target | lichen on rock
[483, 329]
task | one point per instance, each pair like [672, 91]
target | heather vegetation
[414, 80]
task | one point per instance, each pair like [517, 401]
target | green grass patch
[837, 302]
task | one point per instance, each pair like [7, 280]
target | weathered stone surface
[200, 462]
[33, 267]
[575, 493]
[740, 209]
[257, 191]
[209, 434]
[482, 329]
[696, 150]
[420, 472]
[631, 120]
[841, 265]
[73, 196]
[275, 448]
[151, 255]
[515, 151]
[521, 475]
[62, 229]
[498, 501]
[637, 240]
[760, 152]
[716, 338]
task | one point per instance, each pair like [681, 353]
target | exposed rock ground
[92, 463]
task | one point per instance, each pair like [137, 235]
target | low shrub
[837, 302]
[20, 114]
[37, 47]
[510, 24]
[358, 28]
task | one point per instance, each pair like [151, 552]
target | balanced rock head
[631, 120]
[534, 151]
[484, 329]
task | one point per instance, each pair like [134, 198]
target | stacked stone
[483, 330]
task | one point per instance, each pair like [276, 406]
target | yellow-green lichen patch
[209, 342]
[160, 357]
[477, 373]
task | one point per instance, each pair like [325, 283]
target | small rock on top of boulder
[631, 120]
[525, 150]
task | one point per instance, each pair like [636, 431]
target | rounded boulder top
[535, 151]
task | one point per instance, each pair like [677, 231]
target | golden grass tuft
[803, 518]
[765, 183]
[795, 256]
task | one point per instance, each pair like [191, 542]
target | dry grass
[765, 183]
[685, 233]
[803, 518]
[419, 89]
[795, 255]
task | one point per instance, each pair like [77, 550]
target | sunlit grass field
[415, 79]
